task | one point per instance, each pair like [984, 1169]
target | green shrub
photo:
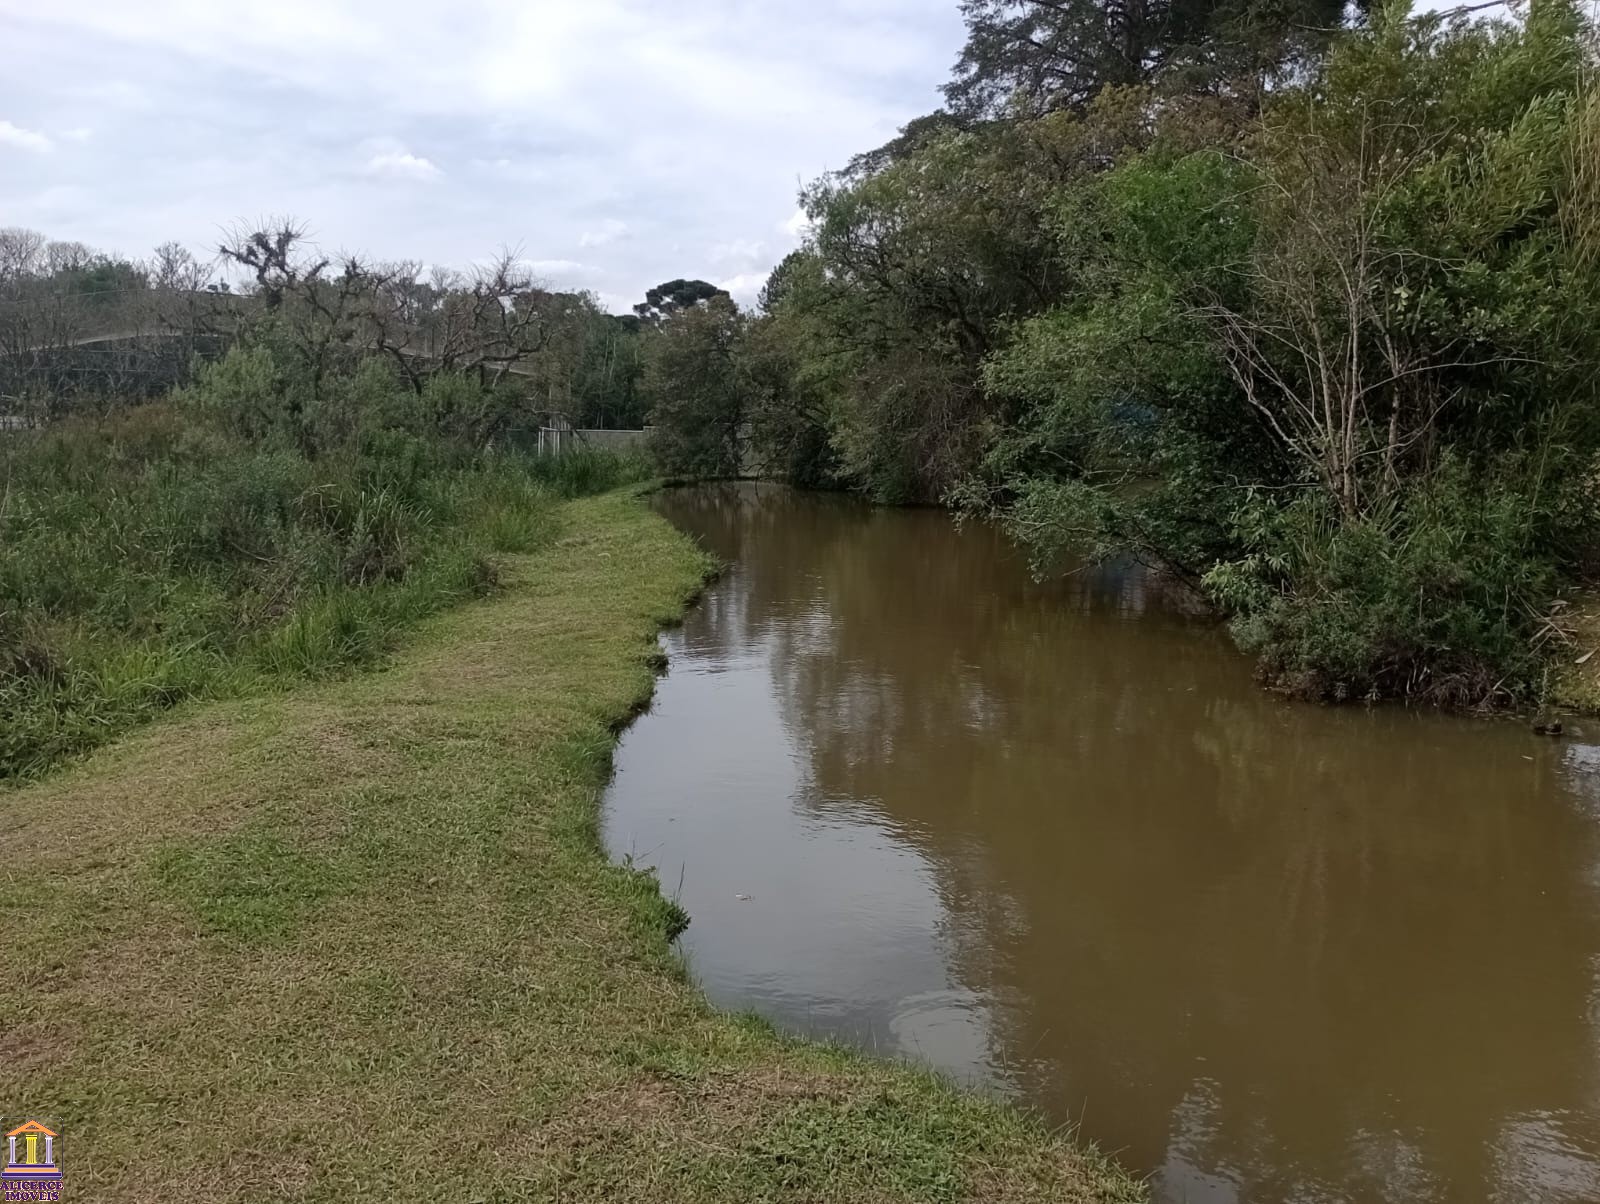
[1439, 596]
[586, 471]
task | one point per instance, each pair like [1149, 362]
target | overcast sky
[618, 143]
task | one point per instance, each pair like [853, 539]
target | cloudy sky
[617, 143]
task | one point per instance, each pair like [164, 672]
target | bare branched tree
[1321, 335]
[491, 323]
[41, 319]
[271, 253]
[21, 253]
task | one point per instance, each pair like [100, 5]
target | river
[1053, 839]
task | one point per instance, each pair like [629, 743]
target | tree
[1027, 57]
[607, 390]
[104, 280]
[693, 388]
[917, 134]
[674, 296]
[21, 252]
[484, 352]
[790, 389]
[67, 313]
[1369, 334]
[274, 256]
[921, 268]
[1341, 375]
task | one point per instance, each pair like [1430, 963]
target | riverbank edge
[320, 938]
[1573, 682]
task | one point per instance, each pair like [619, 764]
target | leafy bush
[1437, 596]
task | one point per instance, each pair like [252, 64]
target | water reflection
[1053, 839]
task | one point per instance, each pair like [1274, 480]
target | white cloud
[798, 225]
[29, 140]
[745, 287]
[651, 142]
[401, 163]
[606, 233]
[740, 250]
[79, 133]
[558, 270]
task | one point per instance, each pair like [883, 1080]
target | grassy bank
[358, 941]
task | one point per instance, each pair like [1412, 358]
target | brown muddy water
[1053, 840]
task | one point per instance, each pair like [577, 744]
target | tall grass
[157, 554]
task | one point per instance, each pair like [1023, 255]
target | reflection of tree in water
[1374, 928]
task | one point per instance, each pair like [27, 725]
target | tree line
[79, 327]
[1296, 301]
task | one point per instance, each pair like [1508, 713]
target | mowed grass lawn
[359, 942]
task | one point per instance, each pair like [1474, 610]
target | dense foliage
[1032, 56]
[693, 389]
[281, 515]
[1317, 332]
